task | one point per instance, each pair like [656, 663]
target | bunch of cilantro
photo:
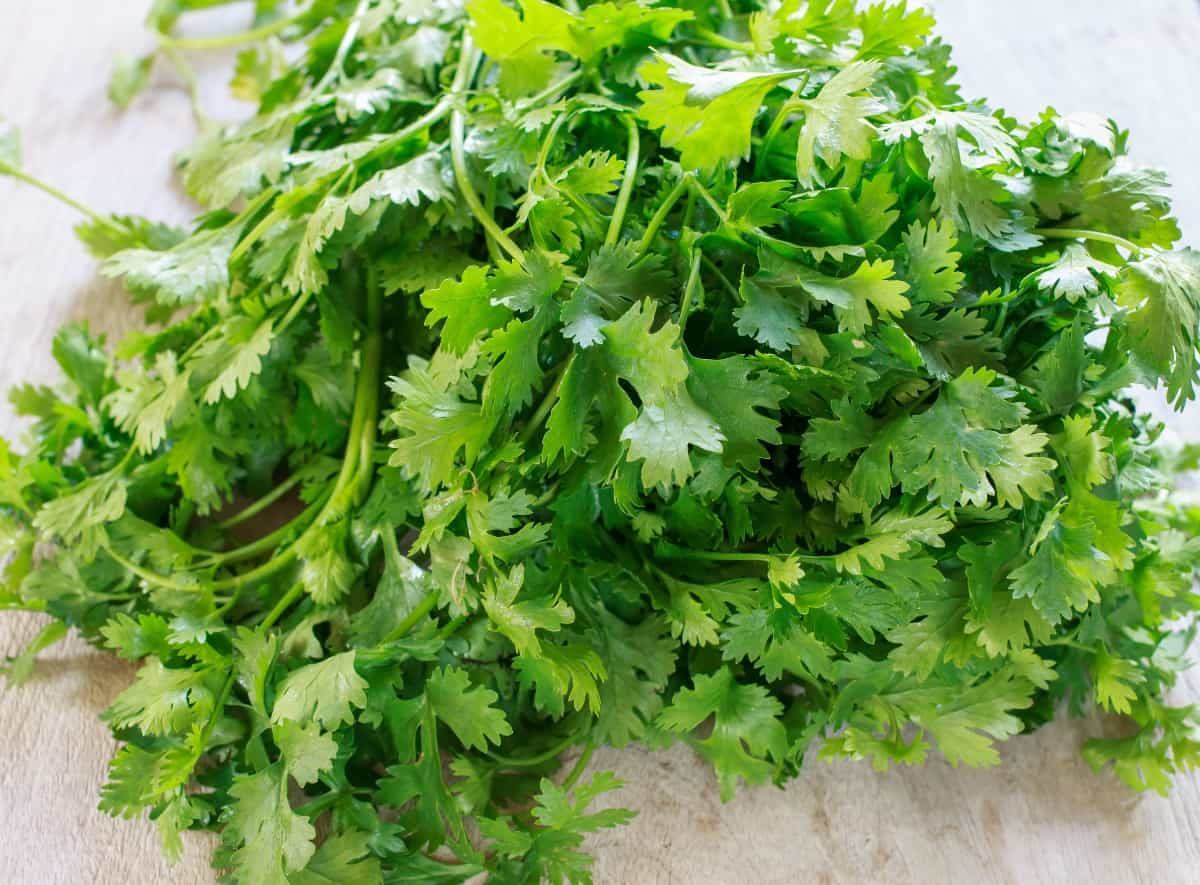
[549, 376]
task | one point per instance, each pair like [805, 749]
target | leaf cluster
[543, 377]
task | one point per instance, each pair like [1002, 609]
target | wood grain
[1040, 818]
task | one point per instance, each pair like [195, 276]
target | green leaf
[130, 76]
[746, 735]
[273, 840]
[162, 701]
[1074, 275]
[931, 262]
[1079, 548]
[871, 285]
[307, 752]
[193, 272]
[522, 45]
[326, 692]
[467, 307]
[1116, 682]
[436, 425]
[343, 857]
[835, 120]
[520, 621]
[705, 113]
[737, 394]
[240, 350]
[1162, 294]
[92, 504]
[669, 422]
[467, 711]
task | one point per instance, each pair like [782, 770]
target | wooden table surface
[1042, 817]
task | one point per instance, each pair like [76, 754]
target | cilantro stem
[320, 803]
[285, 602]
[262, 503]
[372, 359]
[553, 89]
[548, 144]
[451, 627]
[580, 766]
[660, 214]
[718, 41]
[420, 611]
[467, 62]
[191, 85]
[228, 41]
[218, 708]
[267, 543]
[672, 551]
[713, 202]
[293, 312]
[788, 108]
[1069, 233]
[1070, 643]
[145, 574]
[627, 184]
[336, 67]
[537, 758]
[49, 189]
[543, 410]
[729, 286]
[689, 289]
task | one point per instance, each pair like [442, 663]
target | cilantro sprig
[543, 377]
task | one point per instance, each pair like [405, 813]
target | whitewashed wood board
[1042, 817]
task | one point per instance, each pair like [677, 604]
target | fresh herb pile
[550, 377]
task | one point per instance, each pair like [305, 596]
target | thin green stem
[538, 758]
[451, 627]
[316, 806]
[420, 612]
[1068, 233]
[372, 360]
[145, 574]
[337, 66]
[267, 543]
[729, 286]
[632, 159]
[489, 206]
[713, 202]
[689, 290]
[671, 551]
[188, 74]
[543, 410]
[718, 41]
[46, 188]
[1070, 643]
[553, 89]
[547, 145]
[788, 108]
[581, 765]
[660, 214]
[293, 312]
[256, 233]
[285, 602]
[466, 68]
[227, 41]
[262, 503]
